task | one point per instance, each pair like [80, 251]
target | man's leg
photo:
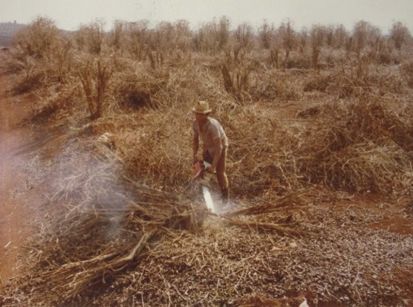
[222, 176]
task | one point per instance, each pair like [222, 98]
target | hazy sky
[69, 14]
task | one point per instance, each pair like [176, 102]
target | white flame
[208, 199]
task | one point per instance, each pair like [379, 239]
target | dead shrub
[41, 55]
[407, 73]
[132, 93]
[91, 38]
[309, 112]
[273, 85]
[57, 104]
[39, 39]
[136, 37]
[95, 74]
[257, 160]
[156, 59]
[366, 167]
[237, 71]
[299, 61]
[135, 98]
[355, 148]
[389, 83]
[62, 62]
[181, 86]
[155, 153]
[385, 57]
[287, 90]
[356, 82]
[236, 80]
[274, 58]
[318, 83]
[31, 79]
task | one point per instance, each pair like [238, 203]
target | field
[97, 156]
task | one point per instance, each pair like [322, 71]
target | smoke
[208, 199]
[80, 178]
[214, 203]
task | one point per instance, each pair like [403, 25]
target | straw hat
[202, 107]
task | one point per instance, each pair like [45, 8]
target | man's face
[200, 118]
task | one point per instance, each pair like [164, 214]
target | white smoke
[208, 199]
[80, 177]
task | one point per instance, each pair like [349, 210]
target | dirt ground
[12, 216]
[16, 195]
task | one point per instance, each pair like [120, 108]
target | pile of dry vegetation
[143, 101]
[117, 226]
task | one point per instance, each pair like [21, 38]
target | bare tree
[95, 75]
[183, 35]
[116, 35]
[265, 35]
[137, 35]
[399, 34]
[91, 37]
[330, 38]
[205, 39]
[288, 39]
[364, 34]
[303, 39]
[318, 36]
[223, 32]
[39, 39]
[244, 36]
[340, 36]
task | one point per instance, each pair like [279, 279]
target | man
[215, 144]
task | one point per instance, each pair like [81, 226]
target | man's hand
[210, 169]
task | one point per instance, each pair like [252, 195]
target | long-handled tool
[199, 169]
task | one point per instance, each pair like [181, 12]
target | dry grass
[119, 226]
[103, 223]
[407, 71]
[355, 147]
[356, 81]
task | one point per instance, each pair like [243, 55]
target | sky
[70, 14]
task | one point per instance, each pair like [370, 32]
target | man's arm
[195, 146]
[217, 154]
